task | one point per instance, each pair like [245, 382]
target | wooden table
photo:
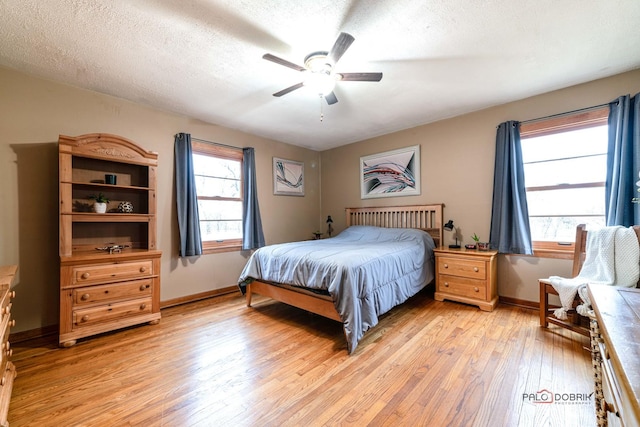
[7, 369]
[617, 312]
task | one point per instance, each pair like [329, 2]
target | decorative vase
[100, 207]
[125, 207]
[483, 246]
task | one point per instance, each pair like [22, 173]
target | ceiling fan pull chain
[321, 109]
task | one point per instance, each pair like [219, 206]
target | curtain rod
[216, 143]
[581, 110]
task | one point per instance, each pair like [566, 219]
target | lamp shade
[329, 220]
[449, 225]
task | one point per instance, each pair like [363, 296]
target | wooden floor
[219, 363]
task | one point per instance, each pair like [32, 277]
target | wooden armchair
[575, 322]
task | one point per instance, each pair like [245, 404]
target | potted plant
[476, 239]
[481, 246]
[100, 202]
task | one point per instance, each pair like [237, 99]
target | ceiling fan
[319, 71]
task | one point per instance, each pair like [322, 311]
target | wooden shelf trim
[108, 217]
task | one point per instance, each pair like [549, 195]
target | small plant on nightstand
[476, 239]
[482, 246]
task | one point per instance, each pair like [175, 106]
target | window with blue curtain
[216, 189]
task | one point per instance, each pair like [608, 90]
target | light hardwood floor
[217, 362]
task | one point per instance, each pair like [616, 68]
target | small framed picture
[392, 173]
[288, 177]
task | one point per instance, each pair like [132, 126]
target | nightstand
[468, 276]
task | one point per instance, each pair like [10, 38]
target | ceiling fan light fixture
[317, 61]
[320, 82]
[318, 70]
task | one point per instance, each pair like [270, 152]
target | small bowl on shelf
[470, 246]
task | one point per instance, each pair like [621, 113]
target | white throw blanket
[612, 258]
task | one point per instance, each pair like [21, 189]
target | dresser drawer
[5, 345]
[462, 286]
[113, 291]
[475, 269]
[112, 272]
[5, 303]
[104, 313]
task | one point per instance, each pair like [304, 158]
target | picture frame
[288, 177]
[390, 174]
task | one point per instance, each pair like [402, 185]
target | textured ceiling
[203, 58]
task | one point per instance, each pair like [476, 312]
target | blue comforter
[366, 270]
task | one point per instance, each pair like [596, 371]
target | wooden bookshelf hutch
[109, 262]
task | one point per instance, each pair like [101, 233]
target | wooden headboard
[424, 217]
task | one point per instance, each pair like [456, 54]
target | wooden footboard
[317, 304]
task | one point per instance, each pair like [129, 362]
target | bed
[382, 258]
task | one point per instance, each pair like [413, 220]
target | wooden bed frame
[425, 217]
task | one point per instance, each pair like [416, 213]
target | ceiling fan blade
[360, 77]
[273, 58]
[331, 98]
[289, 89]
[340, 47]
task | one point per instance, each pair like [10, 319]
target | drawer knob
[143, 306]
[476, 269]
[12, 323]
[446, 284]
[445, 265]
[85, 275]
[143, 269]
[84, 297]
[85, 318]
[2, 381]
[476, 289]
[143, 287]
[12, 294]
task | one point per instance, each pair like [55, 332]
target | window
[218, 175]
[565, 166]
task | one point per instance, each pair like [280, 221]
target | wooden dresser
[7, 277]
[468, 276]
[615, 345]
[109, 262]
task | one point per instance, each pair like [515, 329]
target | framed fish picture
[392, 173]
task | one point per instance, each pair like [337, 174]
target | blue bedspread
[366, 270]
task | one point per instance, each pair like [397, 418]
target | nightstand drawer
[112, 272]
[462, 286]
[475, 269]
